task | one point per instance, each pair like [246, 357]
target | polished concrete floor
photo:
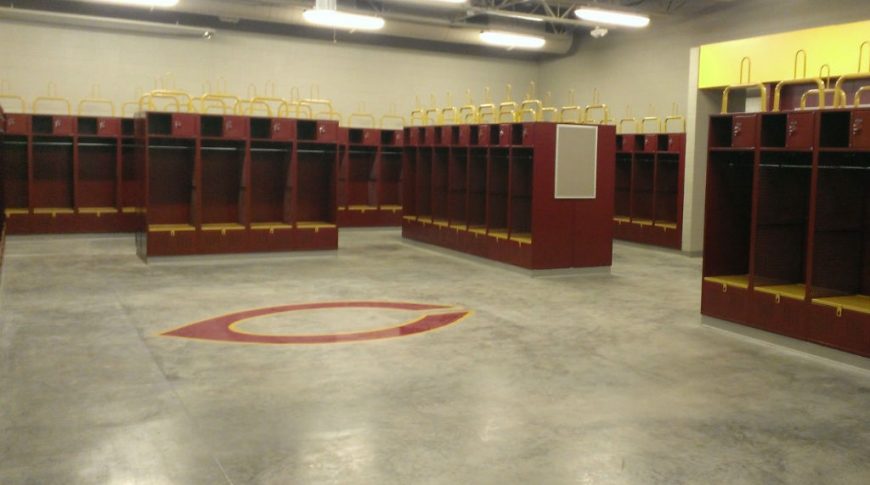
[594, 378]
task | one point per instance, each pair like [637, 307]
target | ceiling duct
[435, 28]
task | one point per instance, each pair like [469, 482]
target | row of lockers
[794, 130]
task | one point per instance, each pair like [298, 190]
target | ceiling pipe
[397, 25]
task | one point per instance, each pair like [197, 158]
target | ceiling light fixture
[457, 2]
[611, 17]
[511, 41]
[326, 14]
[144, 3]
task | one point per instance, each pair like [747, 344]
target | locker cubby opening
[728, 213]
[639, 142]
[52, 173]
[642, 190]
[841, 239]
[212, 126]
[221, 185]
[306, 130]
[437, 132]
[457, 187]
[388, 137]
[261, 128]
[270, 184]
[316, 183]
[834, 130]
[13, 155]
[128, 127]
[98, 167]
[517, 134]
[159, 124]
[477, 188]
[440, 161]
[521, 183]
[773, 130]
[474, 135]
[720, 131]
[494, 134]
[423, 183]
[662, 143]
[42, 125]
[391, 178]
[87, 125]
[622, 207]
[355, 135]
[171, 182]
[667, 186]
[421, 136]
[454, 134]
[497, 190]
[132, 175]
[410, 166]
[361, 184]
[619, 142]
[784, 181]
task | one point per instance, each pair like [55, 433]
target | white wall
[650, 66]
[125, 64]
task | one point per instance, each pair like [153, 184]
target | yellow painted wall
[772, 56]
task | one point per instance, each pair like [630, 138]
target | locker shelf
[97, 210]
[269, 226]
[53, 211]
[222, 227]
[855, 303]
[522, 238]
[170, 228]
[498, 233]
[795, 291]
[316, 225]
[737, 281]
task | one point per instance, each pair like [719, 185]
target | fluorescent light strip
[610, 17]
[342, 20]
[510, 40]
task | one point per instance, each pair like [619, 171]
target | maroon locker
[800, 130]
[861, 129]
[743, 131]
[109, 126]
[235, 127]
[650, 143]
[505, 134]
[483, 134]
[327, 131]
[371, 136]
[464, 135]
[628, 142]
[427, 135]
[675, 141]
[184, 125]
[17, 124]
[63, 125]
[445, 135]
[413, 136]
[398, 138]
[283, 129]
[528, 134]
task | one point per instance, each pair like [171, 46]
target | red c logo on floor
[221, 328]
